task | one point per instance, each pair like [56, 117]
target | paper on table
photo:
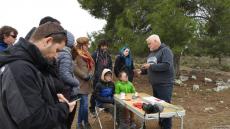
[152, 100]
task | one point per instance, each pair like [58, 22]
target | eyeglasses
[14, 36]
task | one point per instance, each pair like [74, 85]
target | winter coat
[66, 68]
[3, 46]
[125, 87]
[28, 97]
[104, 90]
[102, 61]
[120, 66]
[83, 74]
[161, 70]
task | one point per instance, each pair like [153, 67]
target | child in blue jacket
[104, 91]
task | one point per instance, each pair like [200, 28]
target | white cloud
[25, 14]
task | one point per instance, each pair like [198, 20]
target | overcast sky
[25, 14]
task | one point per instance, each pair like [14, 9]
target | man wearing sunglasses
[28, 98]
[8, 36]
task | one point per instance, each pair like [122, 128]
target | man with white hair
[160, 70]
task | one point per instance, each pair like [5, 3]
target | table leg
[143, 126]
[182, 122]
[115, 114]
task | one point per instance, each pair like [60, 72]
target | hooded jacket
[66, 68]
[161, 70]
[104, 90]
[66, 64]
[28, 98]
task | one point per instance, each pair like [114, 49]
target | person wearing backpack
[102, 60]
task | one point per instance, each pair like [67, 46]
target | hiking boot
[133, 125]
[80, 126]
[92, 110]
[87, 126]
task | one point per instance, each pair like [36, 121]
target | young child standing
[125, 117]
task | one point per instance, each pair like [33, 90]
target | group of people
[44, 74]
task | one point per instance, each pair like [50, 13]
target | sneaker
[92, 110]
[80, 126]
[133, 125]
[123, 126]
[93, 114]
[87, 126]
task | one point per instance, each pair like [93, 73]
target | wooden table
[169, 109]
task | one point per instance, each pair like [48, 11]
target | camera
[152, 108]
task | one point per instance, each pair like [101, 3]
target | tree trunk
[177, 64]
[219, 59]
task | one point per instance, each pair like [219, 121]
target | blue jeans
[164, 92]
[83, 109]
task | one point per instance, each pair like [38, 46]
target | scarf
[87, 58]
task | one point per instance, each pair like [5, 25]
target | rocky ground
[203, 90]
[196, 91]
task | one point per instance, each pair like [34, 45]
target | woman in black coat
[124, 62]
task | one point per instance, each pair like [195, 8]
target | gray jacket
[161, 70]
[66, 68]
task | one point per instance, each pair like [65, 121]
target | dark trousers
[164, 92]
[92, 102]
[66, 93]
[93, 97]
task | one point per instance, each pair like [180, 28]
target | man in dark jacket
[102, 60]
[59, 85]
[28, 99]
[161, 72]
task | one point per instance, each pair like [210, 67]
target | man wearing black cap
[42, 21]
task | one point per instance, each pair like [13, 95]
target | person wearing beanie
[65, 67]
[84, 69]
[102, 60]
[42, 21]
[48, 19]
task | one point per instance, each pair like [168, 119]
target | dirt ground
[193, 102]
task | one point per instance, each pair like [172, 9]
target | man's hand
[72, 105]
[145, 66]
[62, 99]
